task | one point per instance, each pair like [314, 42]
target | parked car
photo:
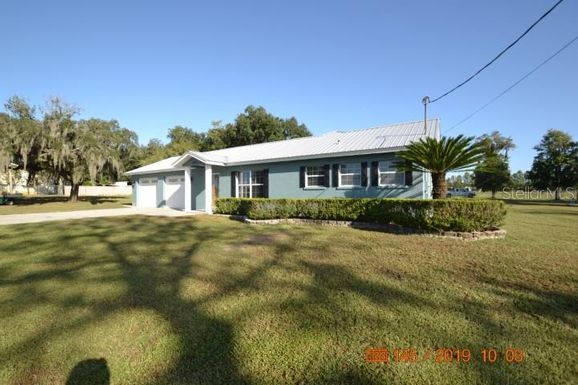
[461, 192]
[6, 200]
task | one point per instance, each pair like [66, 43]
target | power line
[514, 85]
[500, 54]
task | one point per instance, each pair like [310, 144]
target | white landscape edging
[463, 235]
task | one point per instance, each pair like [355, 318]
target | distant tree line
[555, 165]
[52, 145]
[254, 125]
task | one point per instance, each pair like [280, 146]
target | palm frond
[441, 156]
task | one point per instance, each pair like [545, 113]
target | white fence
[47, 189]
[101, 191]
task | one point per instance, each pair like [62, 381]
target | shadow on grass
[153, 281]
[90, 372]
[568, 211]
[206, 348]
[539, 202]
[528, 299]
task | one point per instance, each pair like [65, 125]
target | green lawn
[46, 204]
[568, 196]
[206, 300]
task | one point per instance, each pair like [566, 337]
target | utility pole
[425, 102]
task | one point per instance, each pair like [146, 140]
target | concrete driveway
[68, 215]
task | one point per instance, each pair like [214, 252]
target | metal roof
[387, 138]
[161, 165]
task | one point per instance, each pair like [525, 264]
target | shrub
[230, 206]
[467, 215]
[444, 214]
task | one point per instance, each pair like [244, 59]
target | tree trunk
[31, 178]
[493, 194]
[440, 188]
[557, 197]
[74, 188]
[558, 174]
[10, 180]
[59, 186]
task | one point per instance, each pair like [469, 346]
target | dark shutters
[335, 175]
[326, 176]
[302, 177]
[234, 175]
[375, 173]
[364, 174]
[408, 176]
[266, 183]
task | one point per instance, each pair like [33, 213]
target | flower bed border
[391, 228]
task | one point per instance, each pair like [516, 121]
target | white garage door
[175, 192]
[147, 192]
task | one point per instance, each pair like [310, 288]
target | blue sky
[332, 64]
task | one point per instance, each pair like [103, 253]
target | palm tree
[440, 156]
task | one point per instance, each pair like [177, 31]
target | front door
[215, 188]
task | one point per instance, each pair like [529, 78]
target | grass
[47, 204]
[543, 196]
[206, 300]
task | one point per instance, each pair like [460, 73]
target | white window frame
[307, 175]
[340, 184]
[380, 173]
[174, 180]
[250, 184]
[148, 181]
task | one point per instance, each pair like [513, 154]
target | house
[357, 163]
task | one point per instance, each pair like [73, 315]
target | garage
[175, 192]
[147, 192]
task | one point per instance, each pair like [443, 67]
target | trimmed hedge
[434, 215]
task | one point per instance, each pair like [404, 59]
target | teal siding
[198, 188]
[225, 181]
[284, 180]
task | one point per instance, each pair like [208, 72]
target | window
[175, 180]
[389, 176]
[251, 184]
[148, 181]
[315, 176]
[350, 175]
